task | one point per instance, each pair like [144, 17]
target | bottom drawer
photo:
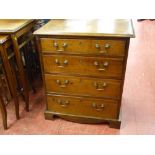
[82, 106]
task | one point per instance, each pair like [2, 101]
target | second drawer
[94, 66]
[83, 86]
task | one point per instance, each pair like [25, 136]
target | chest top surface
[3, 38]
[97, 27]
[13, 25]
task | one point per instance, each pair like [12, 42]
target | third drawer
[83, 86]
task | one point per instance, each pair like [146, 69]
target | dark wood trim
[79, 37]
[81, 54]
[80, 75]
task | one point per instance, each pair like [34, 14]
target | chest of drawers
[83, 68]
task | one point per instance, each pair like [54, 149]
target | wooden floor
[138, 103]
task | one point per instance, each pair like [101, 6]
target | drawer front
[83, 86]
[78, 46]
[93, 66]
[83, 106]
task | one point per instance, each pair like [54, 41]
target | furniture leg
[6, 89]
[4, 112]
[21, 71]
[115, 124]
[11, 80]
[48, 115]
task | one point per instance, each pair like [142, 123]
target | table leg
[11, 80]
[4, 112]
[22, 73]
[5, 87]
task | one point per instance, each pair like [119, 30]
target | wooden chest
[83, 68]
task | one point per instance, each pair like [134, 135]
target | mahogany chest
[83, 68]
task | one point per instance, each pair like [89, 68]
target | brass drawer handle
[63, 46]
[101, 66]
[106, 47]
[98, 108]
[97, 46]
[56, 45]
[63, 84]
[100, 86]
[61, 64]
[63, 103]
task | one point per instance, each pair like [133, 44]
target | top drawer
[79, 46]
